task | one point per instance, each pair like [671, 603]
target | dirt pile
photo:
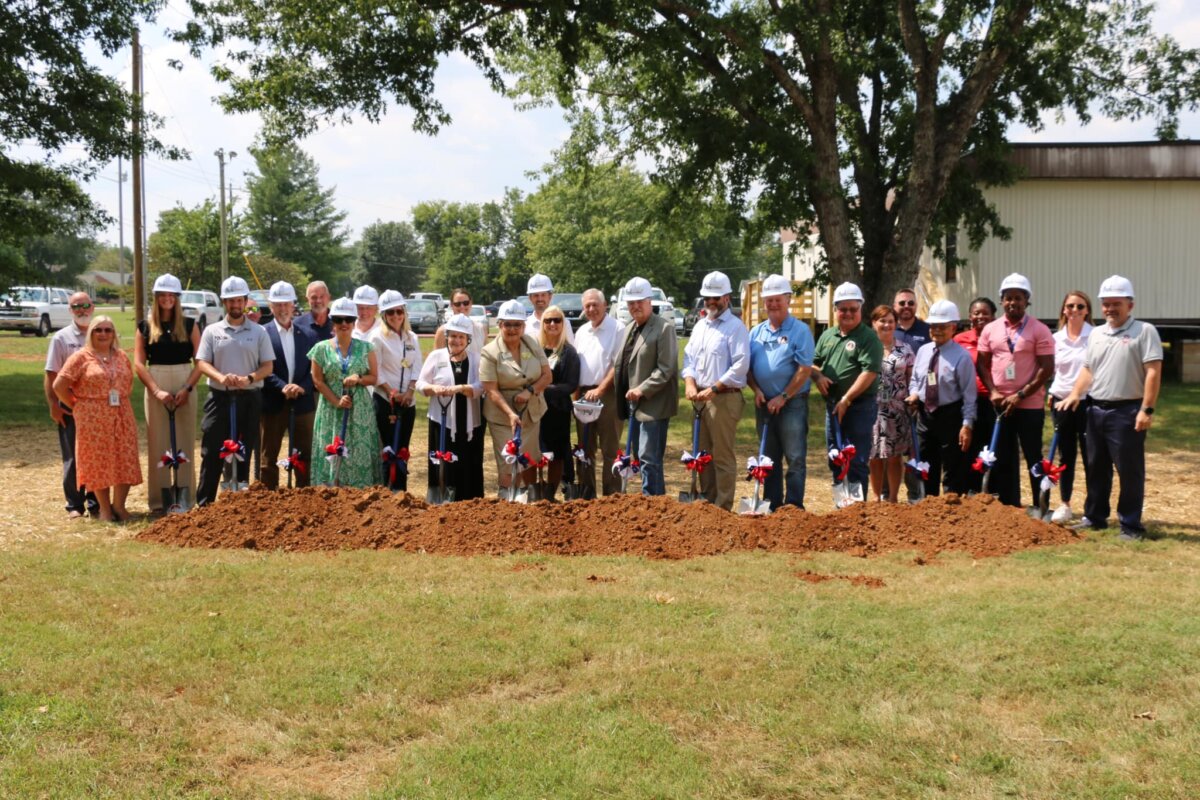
[320, 518]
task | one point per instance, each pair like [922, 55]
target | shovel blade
[695, 497]
[748, 506]
[915, 487]
[435, 496]
[176, 500]
[846, 494]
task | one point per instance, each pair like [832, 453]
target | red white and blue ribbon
[1048, 473]
[336, 449]
[512, 450]
[442, 457]
[626, 465]
[581, 455]
[395, 462]
[169, 460]
[758, 468]
[696, 463]
[842, 459]
[231, 450]
[985, 461]
[293, 463]
[544, 461]
[918, 467]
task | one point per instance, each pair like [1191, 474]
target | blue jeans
[856, 429]
[787, 437]
[650, 444]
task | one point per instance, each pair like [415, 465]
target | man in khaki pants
[715, 363]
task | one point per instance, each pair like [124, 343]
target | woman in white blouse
[399, 354]
[450, 379]
[1070, 349]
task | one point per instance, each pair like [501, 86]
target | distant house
[96, 279]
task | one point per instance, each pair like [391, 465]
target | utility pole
[220, 154]
[139, 287]
[121, 227]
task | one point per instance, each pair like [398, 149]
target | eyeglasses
[103, 330]
[511, 324]
[1076, 306]
[343, 320]
[848, 310]
[394, 312]
[552, 321]
[461, 303]
[80, 306]
[906, 302]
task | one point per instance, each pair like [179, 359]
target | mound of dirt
[320, 518]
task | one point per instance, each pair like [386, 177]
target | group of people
[340, 382]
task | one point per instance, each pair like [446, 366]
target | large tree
[391, 257]
[187, 244]
[856, 114]
[477, 246]
[291, 217]
[52, 98]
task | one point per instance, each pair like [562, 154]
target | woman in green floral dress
[343, 370]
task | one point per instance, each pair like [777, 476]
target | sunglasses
[1076, 306]
[104, 330]
[552, 321]
[461, 303]
[394, 312]
[80, 306]
[854, 310]
[343, 320]
[906, 302]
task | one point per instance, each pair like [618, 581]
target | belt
[726, 390]
[1106, 404]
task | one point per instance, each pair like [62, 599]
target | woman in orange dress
[96, 382]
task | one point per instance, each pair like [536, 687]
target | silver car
[424, 316]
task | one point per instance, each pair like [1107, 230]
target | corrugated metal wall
[1073, 234]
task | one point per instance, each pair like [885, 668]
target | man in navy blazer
[288, 396]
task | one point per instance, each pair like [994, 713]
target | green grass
[137, 671]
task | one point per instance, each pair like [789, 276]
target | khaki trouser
[274, 431]
[718, 429]
[606, 430]
[171, 378]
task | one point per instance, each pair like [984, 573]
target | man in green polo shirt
[847, 362]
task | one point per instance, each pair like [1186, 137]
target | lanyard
[345, 359]
[1012, 346]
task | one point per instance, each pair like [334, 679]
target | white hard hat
[847, 291]
[1116, 286]
[281, 292]
[715, 284]
[1017, 281]
[461, 323]
[638, 289]
[512, 310]
[539, 283]
[234, 287]
[366, 296]
[776, 285]
[344, 307]
[391, 299]
[168, 283]
[941, 312]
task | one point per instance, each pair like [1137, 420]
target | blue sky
[380, 171]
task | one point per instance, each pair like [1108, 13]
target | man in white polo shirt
[1122, 374]
[599, 346]
[235, 355]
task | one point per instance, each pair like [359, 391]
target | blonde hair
[1062, 308]
[178, 331]
[96, 320]
[405, 328]
[562, 337]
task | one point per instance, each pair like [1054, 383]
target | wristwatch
[1021, 393]
[786, 395]
[1148, 411]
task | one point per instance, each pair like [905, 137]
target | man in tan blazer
[647, 377]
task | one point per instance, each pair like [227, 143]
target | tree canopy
[187, 244]
[853, 114]
[291, 217]
[390, 256]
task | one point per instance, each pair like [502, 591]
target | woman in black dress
[556, 424]
[450, 379]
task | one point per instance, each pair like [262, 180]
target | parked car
[697, 313]
[204, 307]
[571, 304]
[662, 305]
[35, 309]
[259, 296]
[483, 324]
[424, 315]
[493, 308]
[443, 305]
[679, 322]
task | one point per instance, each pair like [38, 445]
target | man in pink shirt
[1016, 360]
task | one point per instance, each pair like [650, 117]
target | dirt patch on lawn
[854, 580]
[322, 518]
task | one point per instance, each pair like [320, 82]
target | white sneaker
[1062, 515]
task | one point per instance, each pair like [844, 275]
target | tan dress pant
[718, 429]
[171, 378]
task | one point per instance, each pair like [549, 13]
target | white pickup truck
[203, 307]
[659, 303]
[35, 309]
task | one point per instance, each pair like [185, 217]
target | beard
[83, 322]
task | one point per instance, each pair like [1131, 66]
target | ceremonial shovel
[587, 413]
[695, 461]
[845, 493]
[512, 492]
[757, 470]
[175, 499]
[440, 494]
[1049, 476]
[233, 450]
[917, 469]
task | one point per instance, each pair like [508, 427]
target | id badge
[1010, 372]
[114, 399]
[931, 378]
